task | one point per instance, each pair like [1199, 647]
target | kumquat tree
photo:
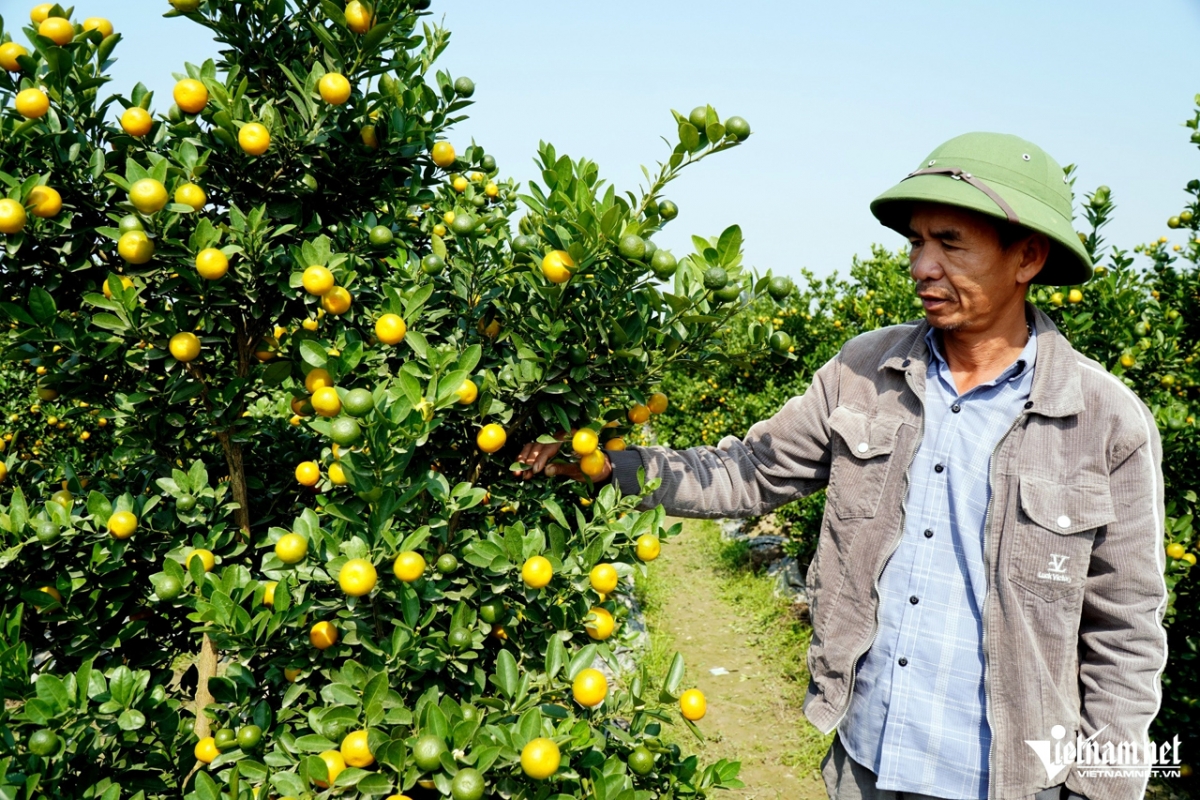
[270, 352]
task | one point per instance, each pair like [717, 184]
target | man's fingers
[546, 452]
[535, 456]
[605, 473]
[530, 452]
[565, 470]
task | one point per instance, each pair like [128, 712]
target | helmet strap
[958, 175]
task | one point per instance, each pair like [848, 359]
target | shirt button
[928, 533]
[938, 468]
[906, 362]
[913, 600]
[1064, 521]
[956, 408]
[1029, 404]
[863, 447]
[903, 662]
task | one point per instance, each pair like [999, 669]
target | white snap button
[1064, 521]
[932, 161]
[1025, 156]
[863, 447]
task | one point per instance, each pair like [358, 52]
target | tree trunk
[206, 663]
[237, 482]
[206, 667]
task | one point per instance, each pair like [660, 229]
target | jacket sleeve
[1122, 642]
[780, 459]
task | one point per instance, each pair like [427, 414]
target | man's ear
[1034, 252]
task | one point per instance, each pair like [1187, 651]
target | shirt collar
[1021, 367]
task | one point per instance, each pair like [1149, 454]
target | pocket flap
[865, 437]
[1066, 508]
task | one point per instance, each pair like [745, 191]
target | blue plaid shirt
[918, 715]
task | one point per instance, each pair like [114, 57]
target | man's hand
[536, 457]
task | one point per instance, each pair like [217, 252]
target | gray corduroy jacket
[1073, 540]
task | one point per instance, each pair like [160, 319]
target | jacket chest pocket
[1052, 539]
[861, 456]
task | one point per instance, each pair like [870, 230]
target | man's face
[966, 280]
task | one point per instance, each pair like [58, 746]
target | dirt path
[753, 712]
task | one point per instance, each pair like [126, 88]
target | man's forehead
[943, 221]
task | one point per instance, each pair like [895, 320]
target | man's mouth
[932, 301]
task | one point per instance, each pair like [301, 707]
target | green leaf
[312, 743]
[374, 783]
[99, 507]
[374, 694]
[556, 511]
[206, 787]
[470, 358]
[410, 386]
[514, 542]
[581, 661]
[729, 245]
[131, 720]
[416, 538]
[689, 136]
[313, 354]
[673, 678]
[376, 35]
[449, 384]
[41, 306]
[393, 755]
[18, 511]
[110, 322]
[610, 221]
[418, 344]
[410, 605]
[52, 690]
[556, 656]
[334, 12]
[277, 373]
[506, 677]
[17, 313]
[530, 724]
[106, 47]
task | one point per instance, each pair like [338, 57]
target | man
[987, 577]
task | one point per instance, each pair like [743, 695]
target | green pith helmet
[1002, 176]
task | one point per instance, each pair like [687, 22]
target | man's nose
[924, 265]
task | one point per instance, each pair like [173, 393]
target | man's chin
[942, 318]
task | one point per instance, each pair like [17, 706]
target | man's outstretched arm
[779, 460]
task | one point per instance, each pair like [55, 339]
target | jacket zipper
[895, 545]
[987, 521]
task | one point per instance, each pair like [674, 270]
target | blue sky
[844, 98]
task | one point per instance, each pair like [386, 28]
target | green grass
[774, 629]
[650, 591]
[769, 621]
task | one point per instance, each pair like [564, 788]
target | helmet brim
[1068, 262]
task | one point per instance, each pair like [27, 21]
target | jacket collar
[1056, 390]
